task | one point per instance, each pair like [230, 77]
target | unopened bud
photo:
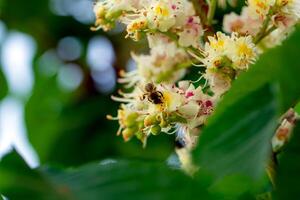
[131, 119]
[140, 125]
[100, 12]
[155, 130]
[176, 118]
[113, 15]
[163, 123]
[127, 134]
[150, 120]
[139, 135]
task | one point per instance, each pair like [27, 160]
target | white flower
[242, 52]
[108, 11]
[233, 23]
[173, 17]
[223, 3]
[157, 102]
[285, 129]
[243, 24]
[166, 14]
[136, 27]
[260, 8]
[215, 49]
[219, 84]
[160, 15]
[224, 51]
[192, 31]
[290, 7]
[275, 38]
[225, 58]
[197, 104]
[184, 9]
[153, 108]
[217, 44]
[166, 63]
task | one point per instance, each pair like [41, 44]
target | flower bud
[127, 133]
[150, 120]
[176, 118]
[155, 130]
[131, 119]
[228, 72]
[162, 119]
[163, 123]
[113, 15]
[140, 125]
[139, 135]
[100, 13]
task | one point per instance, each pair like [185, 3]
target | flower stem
[211, 11]
[262, 30]
[267, 32]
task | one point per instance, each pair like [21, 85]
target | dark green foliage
[288, 170]
[70, 130]
[109, 179]
[3, 86]
[18, 181]
[297, 108]
[236, 141]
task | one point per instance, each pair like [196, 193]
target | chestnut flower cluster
[268, 21]
[159, 102]
[151, 16]
[151, 109]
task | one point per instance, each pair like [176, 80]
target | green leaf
[297, 108]
[237, 140]
[286, 60]
[109, 179]
[18, 181]
[287, 181]
[128, 180]
[3, 85]
[42, 113]
[239, 186]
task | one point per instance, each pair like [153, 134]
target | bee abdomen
[156, 98]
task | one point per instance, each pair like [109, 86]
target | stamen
[109, 117]
[120, 99]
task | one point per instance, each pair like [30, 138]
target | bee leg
[160, 94]
[143, 97]
[149, 99]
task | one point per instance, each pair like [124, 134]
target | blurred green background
[55, 85]
[56, 78]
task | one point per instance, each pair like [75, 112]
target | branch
[201, 9]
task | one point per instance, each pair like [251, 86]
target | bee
[154, 96]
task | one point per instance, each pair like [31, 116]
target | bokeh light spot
[17, 55]
[69, 48]
[70, 77]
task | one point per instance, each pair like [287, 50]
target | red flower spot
[208, 104]
[189, 94]
[190, 20]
